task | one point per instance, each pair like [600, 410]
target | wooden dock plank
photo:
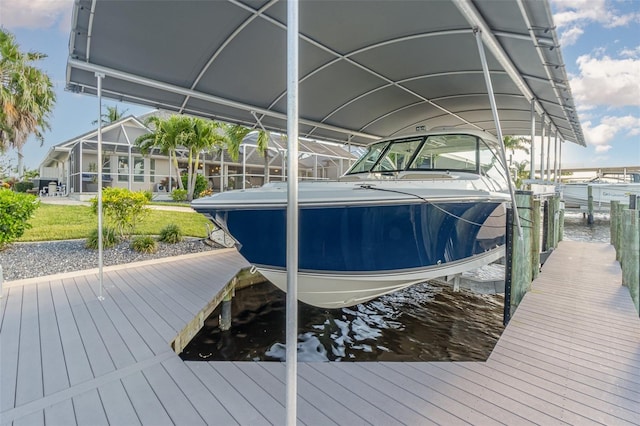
[240, 408]
[144, 400]
[54, 368]
[61, 413]
[173, 400]
[603, 386]
[401, 413]
[564, 385]
[29, 381]
[433, 379]
[139, 312]
[428, 408]
[455, 404]
[116, 404]
[97, 353]
[76, 359]
[369, 412]
[118, 350]
[89, 410]
[9, 349]
[33, 419]
[321, 399]
[483, 390]
[205, 403]
[275, 384]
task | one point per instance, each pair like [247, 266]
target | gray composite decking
[571, 354]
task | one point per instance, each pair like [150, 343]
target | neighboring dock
[570, 354]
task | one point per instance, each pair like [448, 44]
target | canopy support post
[292, 213]
[555, 159]
[548, 175]
[494, 111]
[99, 77]
[542, 124]
[532, 167]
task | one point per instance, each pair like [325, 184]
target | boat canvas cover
[368, 69]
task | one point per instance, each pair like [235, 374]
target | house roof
[368, 69]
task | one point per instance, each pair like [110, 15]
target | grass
[66, 222]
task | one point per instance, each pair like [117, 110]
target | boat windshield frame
[457, 152]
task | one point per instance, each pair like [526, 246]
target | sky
[599, 40]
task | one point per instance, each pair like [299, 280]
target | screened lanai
[73, 164]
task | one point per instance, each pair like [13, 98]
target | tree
[235, 134]
[26, 97]
[516, 143]
[112, 115]
[191, 133]
[521, 172]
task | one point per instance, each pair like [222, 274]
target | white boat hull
[329, 290]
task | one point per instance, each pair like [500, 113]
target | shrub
[179, 195]
[171, 234]
[148, 195]
[22, 186]
[110, 238]
[122, 208]
[144, 244]
[201, 185]
[15, 211]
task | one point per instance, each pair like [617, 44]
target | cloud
[36, 14]
[630, 52]
[604, 134]
[572, 16]
[607, 81]
[571, 36]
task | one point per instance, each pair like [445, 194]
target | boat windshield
[448, 152]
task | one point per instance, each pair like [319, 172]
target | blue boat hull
[366, 239]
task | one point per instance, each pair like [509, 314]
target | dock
[569, 355]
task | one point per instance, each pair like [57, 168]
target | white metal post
[100, 242]
[494, 110]
[532, 167]
[222, 170]
[244, 165]
[542, 124]
[548, 175]
[555, 158]
[292, 212]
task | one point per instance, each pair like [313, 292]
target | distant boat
[410, 209]
[604, 189]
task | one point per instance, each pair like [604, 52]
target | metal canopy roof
[368, 69]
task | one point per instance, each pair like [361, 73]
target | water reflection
[425, 322]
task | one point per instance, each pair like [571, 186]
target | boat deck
[569, 355]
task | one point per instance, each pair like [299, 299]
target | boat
[604, 189]
[412, 208]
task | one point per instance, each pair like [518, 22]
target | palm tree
[112, 115]
[26, 97]
[193, 134]
[236, 133]
[516, 143]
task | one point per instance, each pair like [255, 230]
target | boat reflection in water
[425, 322]
[410, 209]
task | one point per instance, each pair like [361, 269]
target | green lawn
[65, 222]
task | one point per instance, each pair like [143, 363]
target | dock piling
[590, 204]
[225, 313]
[518, 268]
[630, 254]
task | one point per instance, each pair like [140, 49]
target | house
[73, 164]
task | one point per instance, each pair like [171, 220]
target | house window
[123, 169]
[138, 169]
[152, 169]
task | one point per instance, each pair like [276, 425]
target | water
[426, 322]
[423, 323]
